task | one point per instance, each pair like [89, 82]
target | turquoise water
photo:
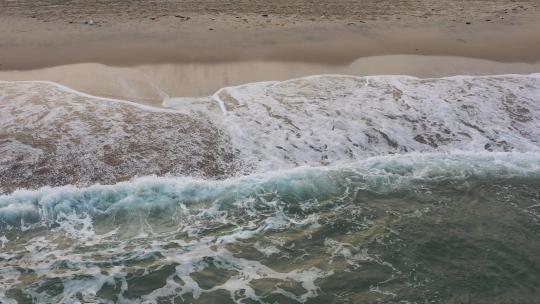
[418, 228]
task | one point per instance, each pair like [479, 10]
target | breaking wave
[146, 194]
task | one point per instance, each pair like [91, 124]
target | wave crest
[152, 194]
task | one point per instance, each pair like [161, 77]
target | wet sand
[153, 83]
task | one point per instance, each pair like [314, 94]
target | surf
[157, 238]
[271, 192]
[381, 175]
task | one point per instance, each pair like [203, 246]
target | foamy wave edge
[215, 96]
[382, 174]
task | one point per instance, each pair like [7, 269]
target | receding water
[431, 228]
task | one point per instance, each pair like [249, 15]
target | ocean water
[326, 189]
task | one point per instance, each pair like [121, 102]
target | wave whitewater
[329, 119]
[312, 121]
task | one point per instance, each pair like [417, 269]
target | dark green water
[406, 229]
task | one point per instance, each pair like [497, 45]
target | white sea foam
[313, 121]
[328, 119]
[381, 174]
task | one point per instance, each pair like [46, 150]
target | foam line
[221, 103]
[400, 171]
[73, 91]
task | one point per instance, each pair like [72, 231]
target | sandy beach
[270, 151]
[157, 44]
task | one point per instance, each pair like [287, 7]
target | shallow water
[426, 228]
[149, 83]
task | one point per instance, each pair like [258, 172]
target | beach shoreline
[282, 151]
[153, 84]
[40, 34]
[154, 50]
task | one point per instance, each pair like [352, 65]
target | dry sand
[40, 33]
